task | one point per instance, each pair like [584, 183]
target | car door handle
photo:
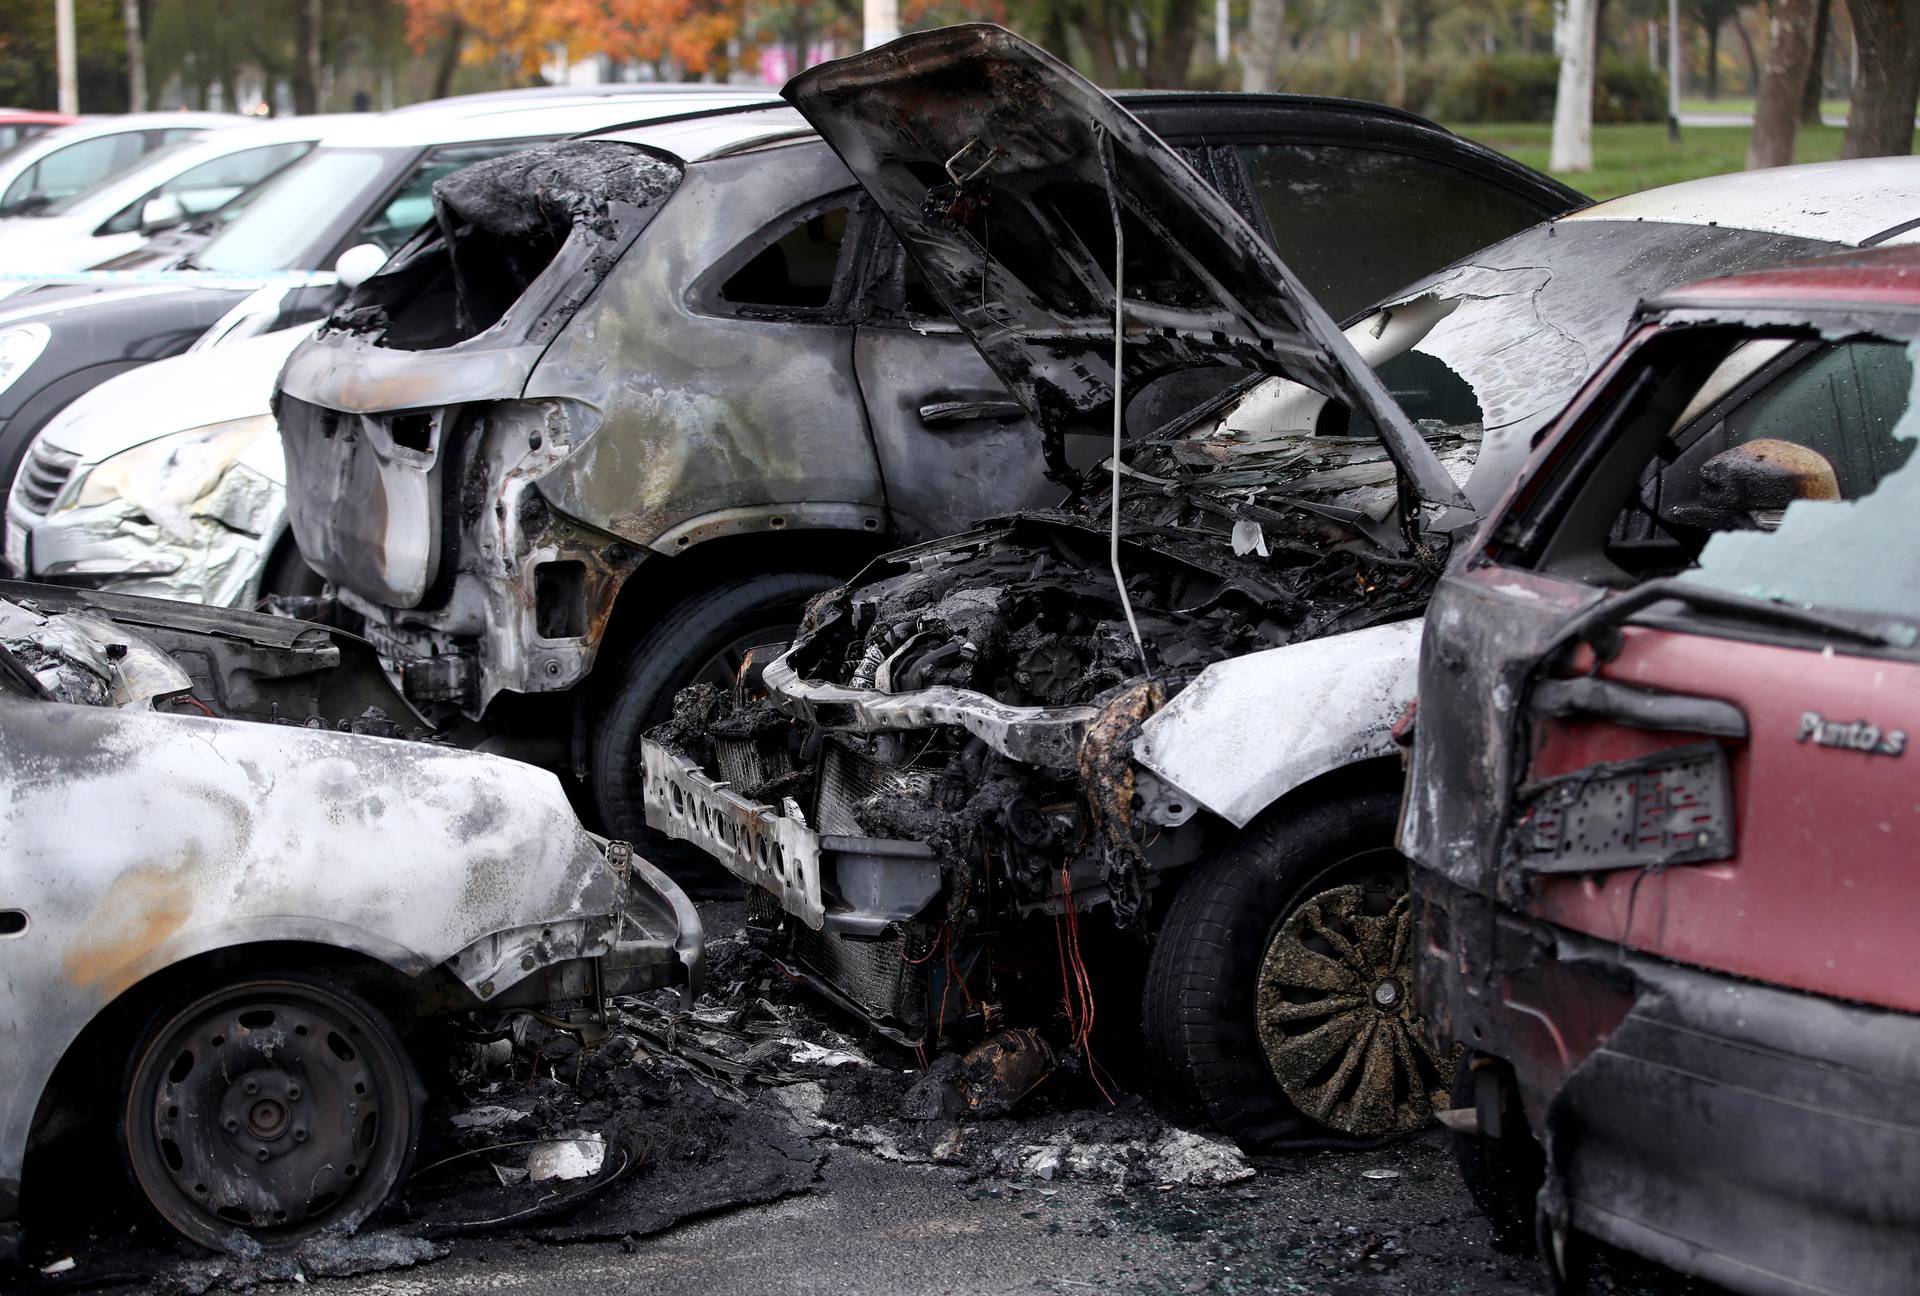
[947, 413]
[1638, 708]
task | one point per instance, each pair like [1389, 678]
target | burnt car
[1660, 808]
[1167, 707]
[569, 453]
[238, 890]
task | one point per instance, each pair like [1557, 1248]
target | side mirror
[1748, 487]
[359, 263]
[162, 213]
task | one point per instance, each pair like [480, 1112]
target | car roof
[533, 96]
[722, 135]
[508, 119]
[88, 127]
[160, 166]
[1857, 201]
[1882, 277]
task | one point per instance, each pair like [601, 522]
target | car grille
[848, 777]
[42, 475]
[875, 975]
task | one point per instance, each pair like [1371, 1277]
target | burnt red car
[1664, 803]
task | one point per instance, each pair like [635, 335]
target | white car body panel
[1250, 729]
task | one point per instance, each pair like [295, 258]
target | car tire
[272, 1109]
[1503, 1175]
[1238, 926]
[696, 639]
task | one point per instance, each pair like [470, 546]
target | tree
[135, 23]
[306, 58]
[1817, 69]
[1573, 101]
[1266, 45]
[1885, 93]
[1711, 16]
[1776, 115]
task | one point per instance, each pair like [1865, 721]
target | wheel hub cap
[1336, 1021]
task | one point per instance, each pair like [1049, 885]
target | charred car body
[567, 458]
[1659, 805]
[232, 876]
[966, 741]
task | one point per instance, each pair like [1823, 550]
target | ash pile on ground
[758, 1096]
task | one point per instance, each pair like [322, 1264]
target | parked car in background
[348, 201]
[211, 958]
[167, 480]
[17, 124]
[164, 189]
[610, 460]
[987, 734]
[55, 164]
[1661, 806]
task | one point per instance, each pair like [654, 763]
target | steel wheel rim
[272, 1109]
[724, 666]
[1334, 1007]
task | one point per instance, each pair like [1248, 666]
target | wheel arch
[654, 587]
[85, 1081]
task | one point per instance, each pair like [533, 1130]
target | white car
[175, 485]
[231, 880]
[168, 187]
[60, 163]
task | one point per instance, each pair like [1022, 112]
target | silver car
[230, 877]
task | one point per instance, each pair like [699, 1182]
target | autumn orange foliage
[690, 37]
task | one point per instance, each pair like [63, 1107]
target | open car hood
[991, 159]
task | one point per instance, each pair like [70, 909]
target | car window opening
[1779, 468]
[497, 227]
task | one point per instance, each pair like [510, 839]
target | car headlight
[20, 346]
[169, 473]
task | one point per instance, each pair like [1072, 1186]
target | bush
[1522, 87]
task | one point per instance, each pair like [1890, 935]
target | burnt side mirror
[1747, 487]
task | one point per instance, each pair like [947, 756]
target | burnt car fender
[1250, 729]
[131, 841]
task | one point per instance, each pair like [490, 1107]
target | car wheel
[703, 640]
[273, 1109]
[1278, 993]
[1503, 1175]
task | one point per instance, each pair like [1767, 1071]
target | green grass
[1630, 158]
[1743, 105]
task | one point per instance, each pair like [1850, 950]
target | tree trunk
[1396, 53]
[1171, 53]
[1816, 66]
[1573, 102]
[1753, 59]
[1880, 113]
[449, 61]
[136, 57]
[1713, 59]
[1096, 29]
[1783, 86]
[306, 58]
[1266, 45]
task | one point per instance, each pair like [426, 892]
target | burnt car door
[1356, 207]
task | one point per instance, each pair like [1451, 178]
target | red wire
[191, 699]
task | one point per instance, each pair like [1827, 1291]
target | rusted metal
[1335, 1014]
[999, 1072]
